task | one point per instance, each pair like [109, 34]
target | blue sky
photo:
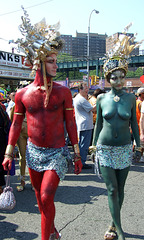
[73, 15]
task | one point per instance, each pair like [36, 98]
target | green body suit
[116, 112]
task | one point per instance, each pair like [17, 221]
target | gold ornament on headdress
[118, 56]
[40, 41]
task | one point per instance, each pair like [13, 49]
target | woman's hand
[92, 149]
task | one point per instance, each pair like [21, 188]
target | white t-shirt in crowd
[83, 113]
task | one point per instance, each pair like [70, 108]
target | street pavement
[82, 211]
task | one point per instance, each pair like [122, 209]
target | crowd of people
[38, 114]
[100, 117]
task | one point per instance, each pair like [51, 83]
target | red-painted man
[47, 105]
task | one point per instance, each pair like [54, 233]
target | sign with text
[10, 59]
[15, 74]
[83, 71]
[128, 83]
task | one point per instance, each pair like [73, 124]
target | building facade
[99, 44]
[77, 46]
[68, 44]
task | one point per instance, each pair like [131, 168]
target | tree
[136, 74]
[130, 74]
[64, 57]
[139, 72]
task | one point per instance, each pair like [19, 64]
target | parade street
[81, 208]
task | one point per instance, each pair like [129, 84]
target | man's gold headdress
[117, 57]
[39, 41]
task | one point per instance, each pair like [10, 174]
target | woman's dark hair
[97, 92]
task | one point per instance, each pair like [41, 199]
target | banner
[15, 74]
[10, 59]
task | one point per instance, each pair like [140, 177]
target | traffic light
[94, 80]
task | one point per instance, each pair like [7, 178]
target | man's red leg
[45, 185]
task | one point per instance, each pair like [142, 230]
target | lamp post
[88, 44]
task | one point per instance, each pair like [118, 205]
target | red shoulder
[61, 87]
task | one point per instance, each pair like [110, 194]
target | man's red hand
[7, 164]
[78, 163]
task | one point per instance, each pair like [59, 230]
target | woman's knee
[113, 191]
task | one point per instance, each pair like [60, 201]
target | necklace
[116, 98]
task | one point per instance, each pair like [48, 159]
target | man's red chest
[34, 100]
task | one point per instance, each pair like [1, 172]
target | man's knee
[47, 197]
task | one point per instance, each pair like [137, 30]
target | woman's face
[117, 79]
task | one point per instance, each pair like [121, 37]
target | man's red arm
[14, 132]
[72, 131]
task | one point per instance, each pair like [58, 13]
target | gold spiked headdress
[118, 56]
[39, 41]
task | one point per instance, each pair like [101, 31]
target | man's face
[142, 96]
[85, 89]
[12, 96]
[51, 65]
[117, 79]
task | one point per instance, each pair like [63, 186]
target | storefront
[12, 70]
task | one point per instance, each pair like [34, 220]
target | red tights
[45, 184]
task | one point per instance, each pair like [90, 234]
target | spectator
[140, 94]
[4, 130]
[11, 102]
[21, 143]
[84, 120]
[142, 130]
[93, 100]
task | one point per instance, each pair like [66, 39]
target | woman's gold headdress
[118, 56]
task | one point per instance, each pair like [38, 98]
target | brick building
[77, 46]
